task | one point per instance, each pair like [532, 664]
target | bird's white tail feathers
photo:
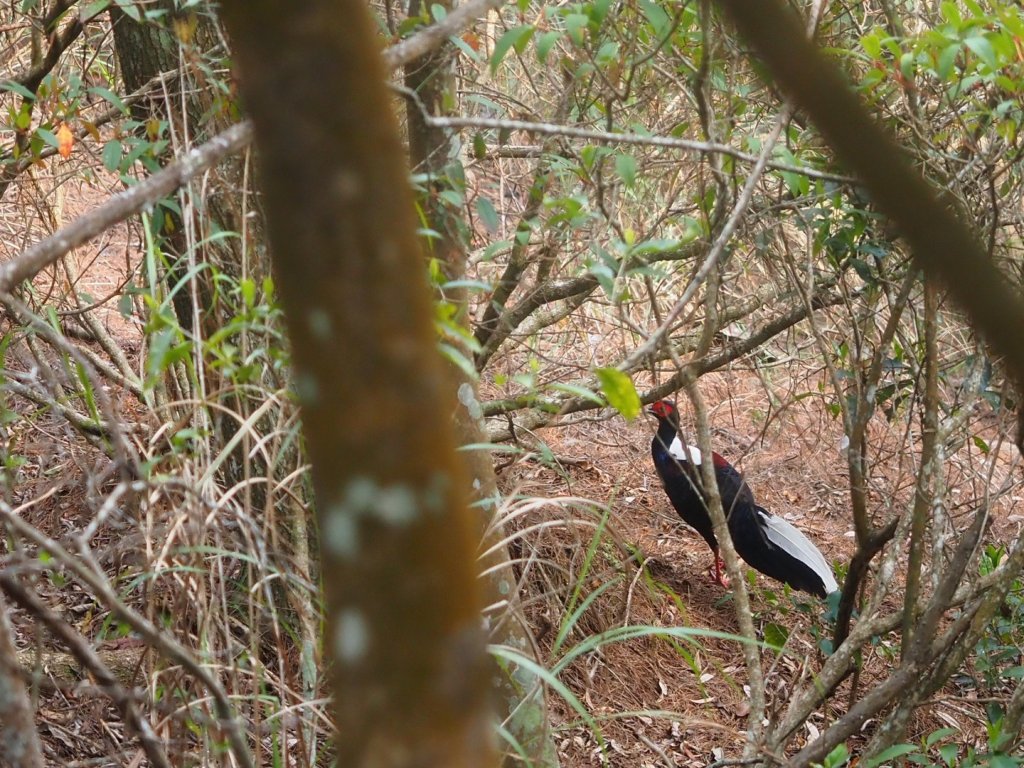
[783, 535]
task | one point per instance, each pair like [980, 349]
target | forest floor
[654, 702]
[658, 703]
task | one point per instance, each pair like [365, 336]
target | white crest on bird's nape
[679, 453]
[787, 537]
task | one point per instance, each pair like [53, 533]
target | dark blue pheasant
[765, 541]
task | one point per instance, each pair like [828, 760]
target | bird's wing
[679, 452]
[787, 537]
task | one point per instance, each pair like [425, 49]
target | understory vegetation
[616, 204]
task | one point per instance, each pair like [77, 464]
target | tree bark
[19, 740]
[403, 626]
[520, 694]
[146, 50]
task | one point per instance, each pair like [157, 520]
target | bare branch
[607, 137]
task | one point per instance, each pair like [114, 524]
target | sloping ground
[655, 702]
[650, 700]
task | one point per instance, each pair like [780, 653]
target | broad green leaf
[575, 25]
[625, 166]
[872, 43]
[907, 65]
[619, 390]
[983, 50]
[48, 136]
[487, 213]
[517, 38]
[545, 43]
[939, 735]
[946, 61]
[112, 155]
[599, 10]
[23, 119]
[94, 9]
[468, 50]
[949, 753]
[657, 17]
[129, 9]
[18, 88]
[837, 756]
[108, 95]
[776, 635]
[896, 750]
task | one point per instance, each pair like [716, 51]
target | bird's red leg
[719, 576]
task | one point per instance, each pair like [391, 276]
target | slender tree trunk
[520, 693]
[19, 740]
[150, 49]
[404, 640]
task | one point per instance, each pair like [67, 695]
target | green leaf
[108, 95]
[488, 215]
[457, 357]
[776, 636]
[896, 750]
[981, 445]
[837, 756]
[939, 735]
[125, 305]
[517, 38]
[575, 25]
[599, 10]
[907, 65]
[983, 50]
[656, 16]
[947, 59]
[619, 390]
[129, 9]
[23, 119]
[48, 136]
[872, 44]
[94, 9]
[247, 287]
[952, 13]
[545, 43]
[451, 197]
[18, 88]
[949, 753]
[112, 155]
[625, 166]
[479, 146]
[466, 48]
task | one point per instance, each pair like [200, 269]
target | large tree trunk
[398, 542]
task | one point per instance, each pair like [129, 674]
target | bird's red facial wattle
[661, 409]
[719, 462]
